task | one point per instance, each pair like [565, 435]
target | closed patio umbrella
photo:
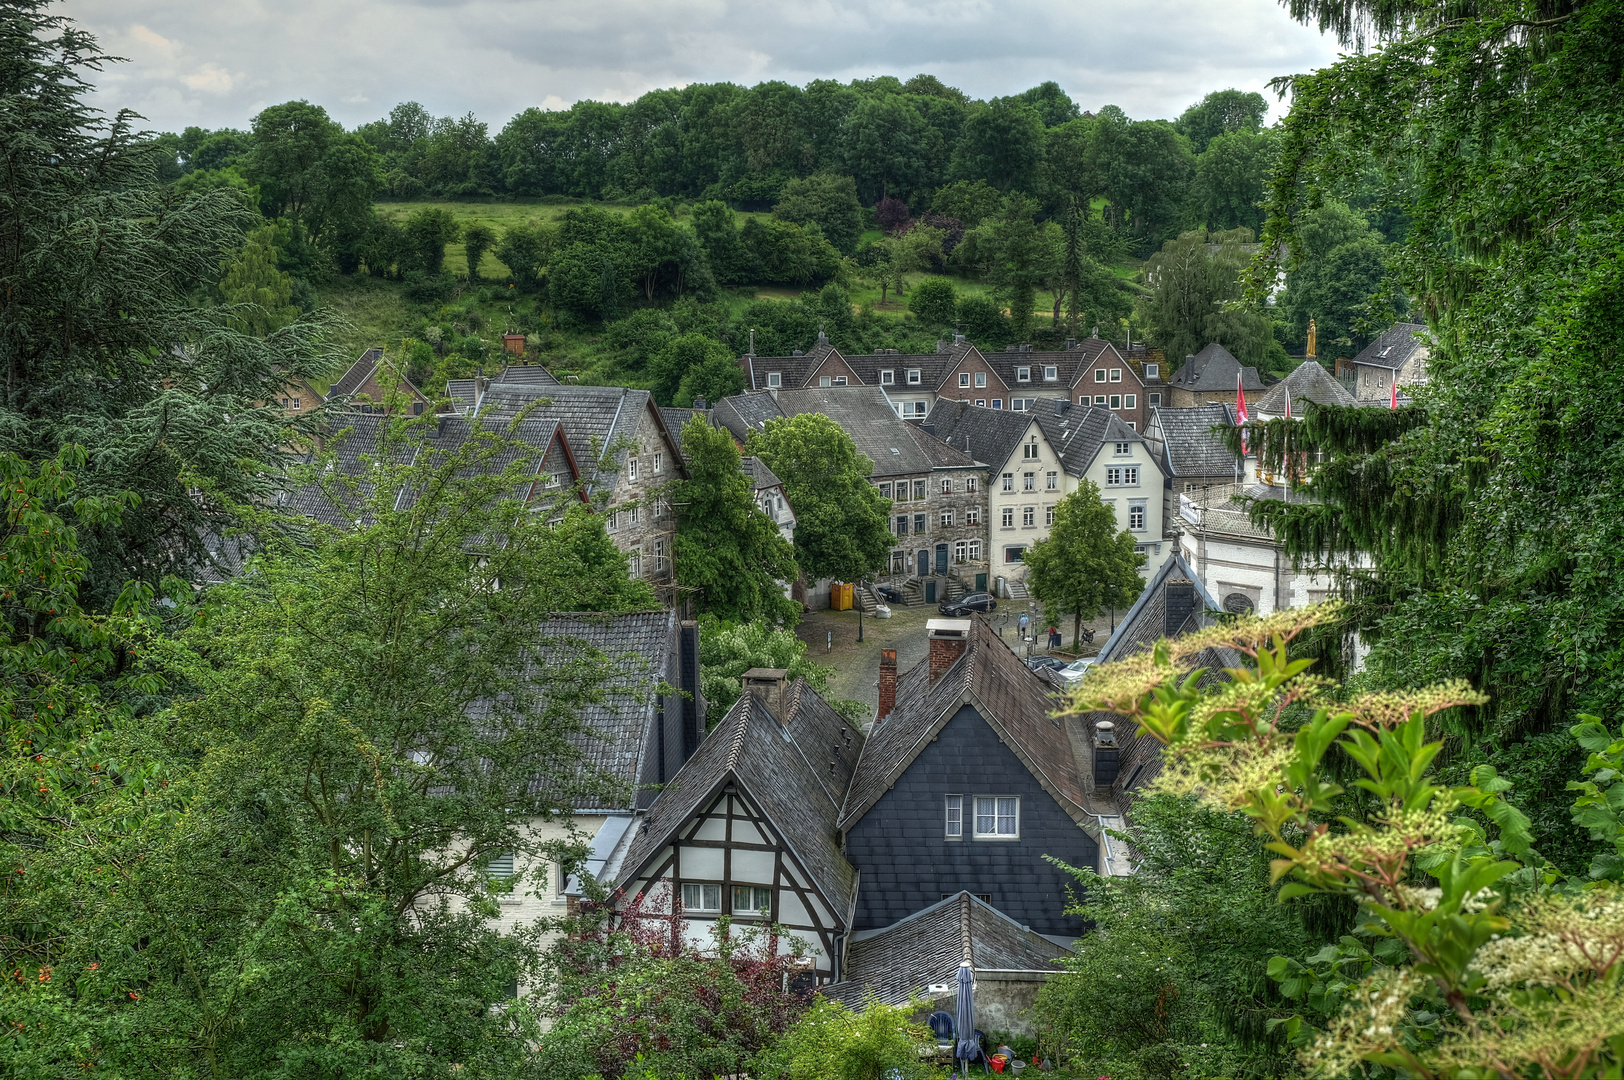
[969, 1048]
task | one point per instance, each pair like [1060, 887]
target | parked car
[1053, 663]
[976, 601]
[889, 593]
[1075, 670]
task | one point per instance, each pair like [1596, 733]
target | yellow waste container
[840, 594]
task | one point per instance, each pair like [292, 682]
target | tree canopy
[1085, 563]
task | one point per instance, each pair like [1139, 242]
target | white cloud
[215, 64]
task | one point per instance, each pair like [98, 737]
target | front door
[930, 591]
[924, 564]
[941, 558]
[981, 583]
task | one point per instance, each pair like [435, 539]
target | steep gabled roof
[526, 375]
[594, 417]
[1213, 369]
[1078, 431]
[794, 371]
[363, 369]
[1008, 695]
[926, 948]
[1151, 618]
[1396, 346]
[757, 470]
[987, 435]
[746, 412]
[794, 772]
[1307, 383]
[1189, 447]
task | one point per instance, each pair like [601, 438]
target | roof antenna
[752, 341]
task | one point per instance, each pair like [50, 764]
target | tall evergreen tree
[100, 342]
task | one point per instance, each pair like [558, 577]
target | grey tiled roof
[621, 728]
[1147, 621]
[461, 393]
[594, 418]
[747, 412]
[1213, 369]
[794, 772]
[757, 470]
[1189, 446]
[866, 414]
[1007, 694]
[351, 380]
[987, 435]
[526, 375]
[1395, 346]
[794, 370]
[1307, 383]
[927, 947]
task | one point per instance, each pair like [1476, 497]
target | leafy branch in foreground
[1506, 969]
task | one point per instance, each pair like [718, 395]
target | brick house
[1209, 378]
[370, 383]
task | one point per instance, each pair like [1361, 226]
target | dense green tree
[309, 169]
[982, 320]
[1222, 112]
[1339, 270]
[261, 295]
[101, 341]
[886, 146]
[935, 301]
[842, 526]
[525, 249]
[969, 201]
[1196, 289]
[1085, 563]
[698, 362]
[428, 231]
[828, 201]
[731, 558]
[727, 651]
[1052, 104]
[717, 230]
[1001, 144]
[477, 239]
[1230, 178]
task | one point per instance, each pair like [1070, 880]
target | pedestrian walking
[1021, 622]
[1054, 638]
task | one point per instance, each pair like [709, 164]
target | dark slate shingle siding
[907, 863]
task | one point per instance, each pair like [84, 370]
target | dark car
[889, 593]
[1053, 663]
[976, 601]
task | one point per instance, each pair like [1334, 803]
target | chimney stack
[888, 685]
[768, 686]
[949, 639]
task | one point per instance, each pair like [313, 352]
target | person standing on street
[1021, 622]
[1054, 638]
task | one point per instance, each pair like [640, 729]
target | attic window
[1116, 374]
[840, 380]
[824, 380]
[888, 377]
[1123, 448]
[775, 378]
[1050, 373]
[1099, 375]
[1023, 374]
[1152, 371]
[913, 376]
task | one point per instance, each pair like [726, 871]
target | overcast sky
[218, 62]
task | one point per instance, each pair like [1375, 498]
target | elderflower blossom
[1564, 937]
[1368, 1023]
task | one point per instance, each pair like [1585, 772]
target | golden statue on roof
[1313, 334]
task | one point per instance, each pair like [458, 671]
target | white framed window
[888, 377]
[1083, 400]
[913, 376]
[634, 561]
[701, 896]
[981, 403]
[981, 379]
[975, 551]
[997, 818]
[1051, 481]
[1116, 374]
[919, 523]
[775, 379]
[1029, 481]
[1022, 404]
[970, 485]
[1099, 399]
[947, 487]
[1153, 400]
[1130, 475]
[840, 380]
[1099, 374]
[1113, 476]
[885, 490]
[902, 525]
[614, 520]
[955, 817]
[659, 556]
[1116, 401]
[947, 519]
[964, 378]
[919, 489]
[501, 866]
[1122, 449]
[1023, 374]
[1009, 517]
[1130, 401]
[659, 461]
[1048, 515]
[1015, 553]
[824, 380]
[1050, 373]
[1136, 517]
[1029, 516]
[998, 403]
[960, 550]
[636, 514]
[1009, 481]
[752, 901]
[972, 516]
[1152, 371]
[1029, 452]
[631, 467]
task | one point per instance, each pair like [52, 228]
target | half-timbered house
[746, 829]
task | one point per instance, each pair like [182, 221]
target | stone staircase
[1017, 590]
[913, 592]
[865, 599]
[956, 588]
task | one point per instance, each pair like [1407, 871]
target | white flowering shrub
[1473, 957]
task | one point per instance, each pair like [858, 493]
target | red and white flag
[1288, 403]
[1394, 404]
[1240, 411]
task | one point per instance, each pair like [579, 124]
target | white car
[1073, 672]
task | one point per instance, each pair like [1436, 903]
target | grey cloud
[217, 63]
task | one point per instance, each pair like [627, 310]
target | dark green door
[981, 583]
[930, 591]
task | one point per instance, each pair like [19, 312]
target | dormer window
[913, 376]
[1152, 371]
[775, 379]
[1050, 373]
[888, 377]
[1023, 374]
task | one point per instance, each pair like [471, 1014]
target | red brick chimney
[888, 684]
[949, 638]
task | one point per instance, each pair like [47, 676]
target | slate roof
[757, 470]
[1308, 383]
[1189, 447]
[896, 447]
[794, 772]
[1147, 621]
[594, 417]
[460, 392]
[363, 368]
[927, 947]
[620, 728]
[526, 375]
[1007, 694]
[1076, 432]
[794, 370]
[1396, 346]
[934, 367]
[988, 435]
[1214, 369]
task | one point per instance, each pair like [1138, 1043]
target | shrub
[891, 214]
[934, 300]
[831, 1042]
[983, 322]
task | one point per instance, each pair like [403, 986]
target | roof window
[775, 378]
